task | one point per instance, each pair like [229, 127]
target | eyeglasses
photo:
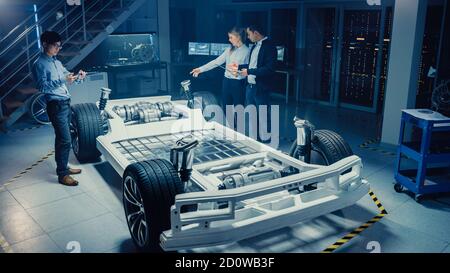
[57, 45]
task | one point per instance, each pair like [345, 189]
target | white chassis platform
[252, 209]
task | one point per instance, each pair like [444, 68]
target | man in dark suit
[260, 72]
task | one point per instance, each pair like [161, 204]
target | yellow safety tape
[26, 129]
[20, 174]
[4, 245]
[361, 228]
[366, 144]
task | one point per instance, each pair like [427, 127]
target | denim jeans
[59, 113]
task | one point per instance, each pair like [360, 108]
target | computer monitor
[128, 48]
[199, 48]
[217, 48]
[280, 53]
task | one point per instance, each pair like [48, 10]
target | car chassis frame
[229, 215]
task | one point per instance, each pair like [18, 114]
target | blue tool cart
[423, 154]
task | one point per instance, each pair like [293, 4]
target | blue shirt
[237, 55]
[50, 76]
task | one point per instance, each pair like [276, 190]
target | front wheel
[85, 127]
[149, 190]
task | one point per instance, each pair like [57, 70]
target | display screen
[129, 48]
[199, 48]
[218, 49]
[280, 53]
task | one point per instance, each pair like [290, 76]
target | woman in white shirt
[233, 86]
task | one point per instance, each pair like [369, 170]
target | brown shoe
[74, 171]
[68, 181]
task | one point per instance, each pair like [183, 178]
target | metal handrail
[20, 81]
[29, 46]
[20, 67]
[103, 8]
[23, 23]
[29, 29]
[34, 55]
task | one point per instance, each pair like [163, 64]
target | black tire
[86, 126]
[327, 147]
[204, 98]
[398, 187]
[418, 198]
[156, 183]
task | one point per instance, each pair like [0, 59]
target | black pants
[233, 93]
[260, 97]
[59, 113]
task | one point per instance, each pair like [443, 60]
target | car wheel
[204, 98]
[38, 109]
[85, 127]
[149, 190]
[327, 147]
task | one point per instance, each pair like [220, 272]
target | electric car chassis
[191, 183]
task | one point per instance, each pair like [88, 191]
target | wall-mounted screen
[134, 48]
[280, 53]
[218, 49]
[199, 48]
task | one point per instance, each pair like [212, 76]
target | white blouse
[239, 55]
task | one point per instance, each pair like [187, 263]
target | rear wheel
[327, 147]
[85, 127]
[204, 98]
[38, 109]
[149, 190]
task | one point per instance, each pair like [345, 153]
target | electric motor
[145, 112]
[255, 173]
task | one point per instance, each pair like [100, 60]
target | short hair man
[260, 72]
[52, 79]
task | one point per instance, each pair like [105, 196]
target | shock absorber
[104, 97]
[185, 88]
[182, 157]
[305, 132]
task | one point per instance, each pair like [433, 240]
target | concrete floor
[39, 215]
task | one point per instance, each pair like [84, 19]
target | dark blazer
[265, 71]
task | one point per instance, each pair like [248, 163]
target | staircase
[82, 29]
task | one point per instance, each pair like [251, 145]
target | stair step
[26, 90]
[4, 118]
[68, 54]
[108, 10]
[96, 30]
[11, 105]
[115, 9]
[23, 75]
[77, 42]
[102, 20]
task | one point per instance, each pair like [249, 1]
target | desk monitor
[280, 53]
[199, 48]
[218, 49]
